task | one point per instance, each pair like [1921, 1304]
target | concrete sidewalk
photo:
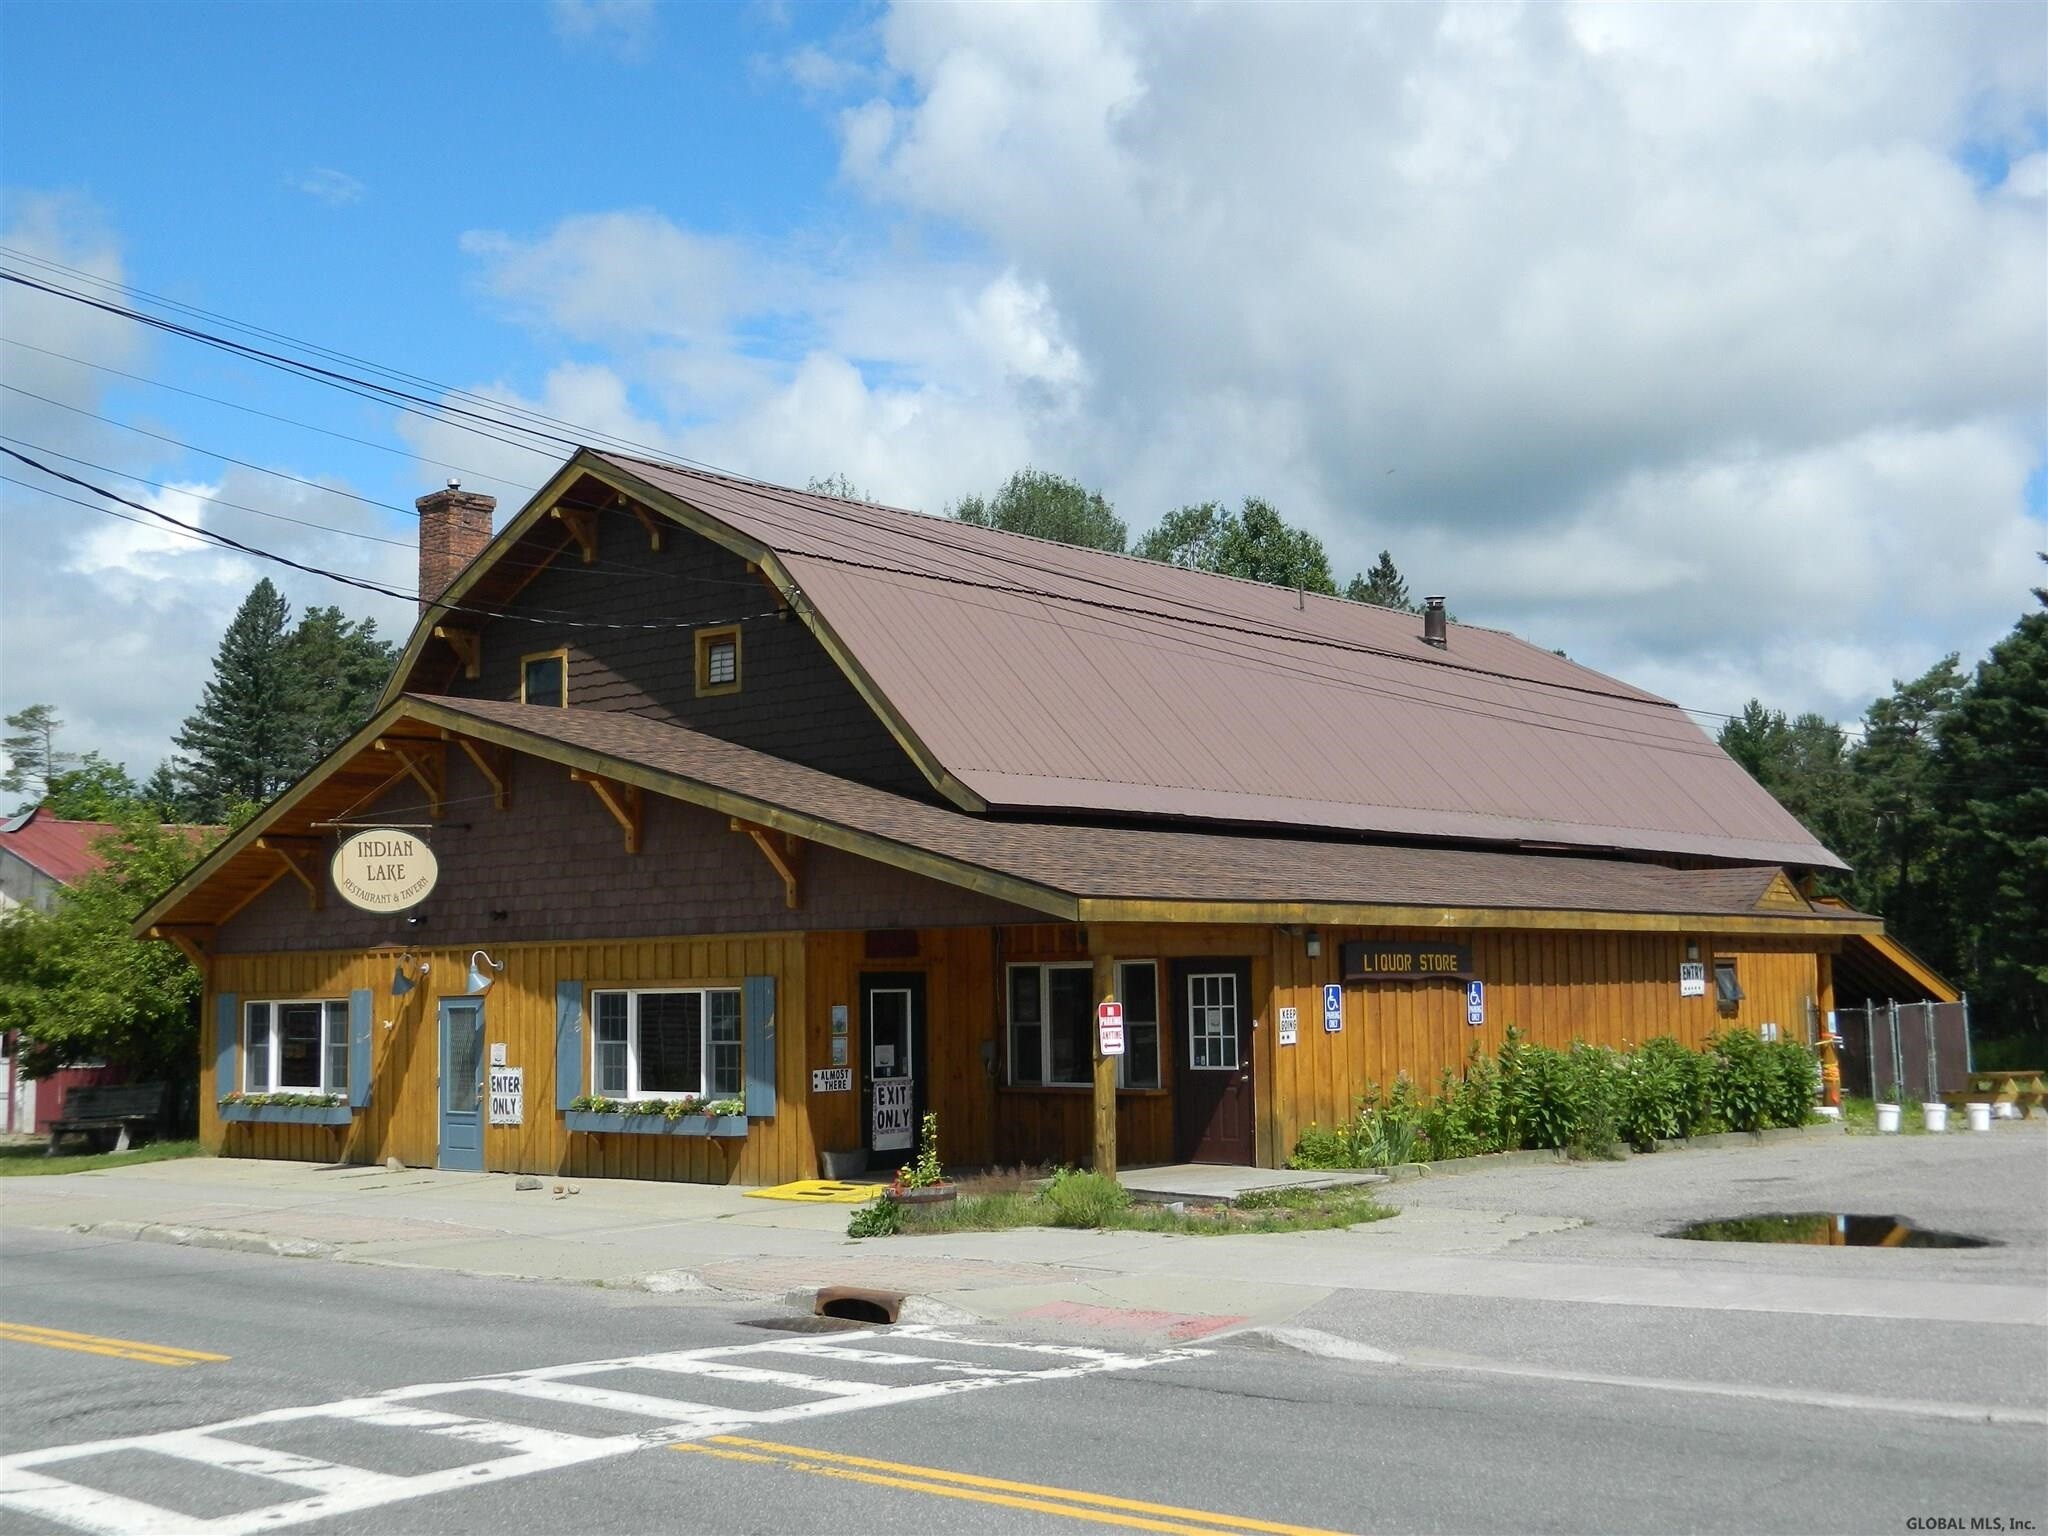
[1584, 1233]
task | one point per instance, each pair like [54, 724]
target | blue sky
[1704, 343]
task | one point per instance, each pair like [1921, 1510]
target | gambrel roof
[1029, 678]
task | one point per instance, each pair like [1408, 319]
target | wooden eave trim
[771, 566]
[242, 838]
[1344, 915]
[440, 610]
[732, 804]
[1898, 955]
[785, 855]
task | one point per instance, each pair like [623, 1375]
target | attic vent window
[1727, 990]
[718, 661]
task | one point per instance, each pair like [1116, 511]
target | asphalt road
[764, 1430]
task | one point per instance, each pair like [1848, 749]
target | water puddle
[1825, 1229]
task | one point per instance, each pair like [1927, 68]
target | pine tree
[338, 667]
[1384, 586]
[32, 755]
[246, 740]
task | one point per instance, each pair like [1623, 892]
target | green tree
[1047, 506]
[1254, 542]
[835, 484]
[336, 667]
[1895, 769]
[1807, 765]
[96, 790]
[32, 755]
[1991, 788]
[246, 739]
[77, 985]
[1383, 585]
[165, 796]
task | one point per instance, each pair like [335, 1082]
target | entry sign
[1333, 1007]
[894, 1115]
[508, 1095]
[1475, 1002]
[1109, 1019]
[1692, 978]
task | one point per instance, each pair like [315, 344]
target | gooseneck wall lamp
[483, 971]
[402, 983]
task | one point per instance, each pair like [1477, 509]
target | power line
[364, 583]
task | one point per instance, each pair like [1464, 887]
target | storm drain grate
[807, 1324]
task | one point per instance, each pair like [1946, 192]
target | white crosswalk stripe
[30, 1484]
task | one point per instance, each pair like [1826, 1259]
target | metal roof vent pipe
[1435, 631]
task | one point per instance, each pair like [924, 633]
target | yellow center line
[1101, 1508]
[94, 1344]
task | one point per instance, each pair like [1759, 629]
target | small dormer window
[718, 661]
[544, 679]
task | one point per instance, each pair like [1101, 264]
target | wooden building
[828, 814]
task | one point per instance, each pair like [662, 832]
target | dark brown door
[1212, 1013]
[892, 1064]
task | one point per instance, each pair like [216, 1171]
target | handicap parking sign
[1475, 1002]
[1333, 1007]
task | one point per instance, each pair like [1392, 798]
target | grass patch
[27, 1158]
[1090, 1202]
[1859, 1117]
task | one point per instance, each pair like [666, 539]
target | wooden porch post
[1105, 1073]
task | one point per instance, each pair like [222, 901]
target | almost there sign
[1392, 960]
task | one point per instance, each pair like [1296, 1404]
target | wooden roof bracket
[582, 525]
[622, 800]
[424, 763]
[300, 855]
[490, 762]
[647, 521]
[784, 852]
[467, 645]
[195, 939]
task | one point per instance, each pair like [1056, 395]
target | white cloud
[115, 622]
[1683, 339]
[624, 28]
[325, 184]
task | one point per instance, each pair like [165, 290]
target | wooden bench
[2026, 1088]
[94, 1111]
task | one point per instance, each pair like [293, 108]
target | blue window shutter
[227, 1026]
[359, 1048]
[568, 1043]
[758, 1020]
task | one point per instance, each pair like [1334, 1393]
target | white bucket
[1828, 1111]
[2005, 1109]
[1888, 1118]
[1980, 1116]
[1934, 1116]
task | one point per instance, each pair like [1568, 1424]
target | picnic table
[2024, 1087]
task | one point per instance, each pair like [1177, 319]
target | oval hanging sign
[384, 870]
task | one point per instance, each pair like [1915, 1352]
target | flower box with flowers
[722, 1118]
[286, 1109]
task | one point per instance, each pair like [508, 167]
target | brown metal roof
[1045, 677]
[1138, 864]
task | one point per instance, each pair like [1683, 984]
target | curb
[1551, 1157]
[208, 1237]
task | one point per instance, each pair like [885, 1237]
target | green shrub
[1740, 1088]
[1593, 1093]
[1662, 1095]
[882, 1218]
[1792, 1076]
[1467, 1116]
[1539, 1094]
[1320, 1148]
[1077, 1199]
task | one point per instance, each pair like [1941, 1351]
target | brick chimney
[455, 525]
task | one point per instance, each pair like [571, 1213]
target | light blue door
[462, 1084]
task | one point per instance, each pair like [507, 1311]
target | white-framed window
[1137, 988]
[667, 1043]
[297, 1046]
[1052, 1025]
[1212, 1022]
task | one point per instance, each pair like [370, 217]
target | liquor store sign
[384, 870]
[1385, 960]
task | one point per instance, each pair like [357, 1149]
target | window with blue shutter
[759, 995]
